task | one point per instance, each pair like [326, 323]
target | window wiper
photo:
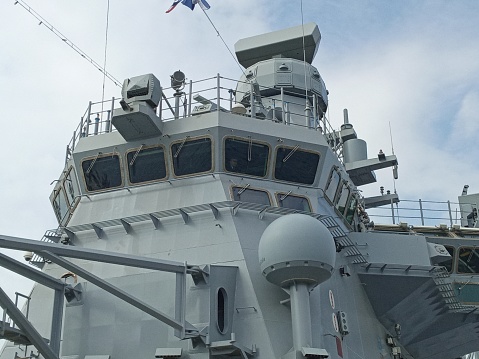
[136, 155]
[282, 198]
[180, 147]
[291, 153]
[92, 163]
[243, 189]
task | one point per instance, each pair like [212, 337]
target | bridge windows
[351, 209]
[293, 164]
[288, 200]
[60, 206]
[146, 164]
[191, 156]
[102, 172]
[247, 194]
[468, 260]
[332, 184]
[246, 156]
[343, 196]
[449, 262]
[65, 196]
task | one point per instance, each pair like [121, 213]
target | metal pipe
[160, 105]
[87, 125]
[282, 105]
[218, 94]
[450, 214]
[420, 209]
[190, 94]
[177, 105]
[307, 114]
[251, 100]
[345, 115]
[97, 124]
[392, 211]
[300, 316]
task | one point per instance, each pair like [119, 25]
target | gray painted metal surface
[177, 256]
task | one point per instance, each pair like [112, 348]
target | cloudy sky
[409, 65]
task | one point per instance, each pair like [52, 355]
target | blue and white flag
[190, 3]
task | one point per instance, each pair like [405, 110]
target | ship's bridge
[272, 156]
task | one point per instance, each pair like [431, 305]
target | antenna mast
[58, 34]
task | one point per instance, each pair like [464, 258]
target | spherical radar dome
[297, 248]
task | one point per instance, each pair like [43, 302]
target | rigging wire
[62, 37]
[224, 42]
[104, 61]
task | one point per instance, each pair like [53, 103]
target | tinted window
[102, 172]
[60, 206]
[71, 187]
[343, 198]
[243, 194]
[191, 156]
[146, 164]
[351, 209]
[468, 261]
[294, 202]
[295, 165]
[332, 185]
[448, 263]
[247, 157]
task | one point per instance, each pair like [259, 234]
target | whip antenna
[224, 42]
[58, 34]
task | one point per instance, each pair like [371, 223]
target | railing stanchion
[251, 100]
[160, 105]
[450, 213]
[421, 212]
[392, 211]
[190, 95]
[218, 94]
[110, 115]
[87, 124]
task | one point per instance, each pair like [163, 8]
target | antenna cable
[57, 33]
[224, 42]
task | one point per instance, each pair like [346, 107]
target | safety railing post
[421, 212]
[392, 211]
[251, 100]
[190, 95]
[218, 92]
[450, 213]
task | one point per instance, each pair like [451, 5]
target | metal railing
[421, 213]
[219, 91]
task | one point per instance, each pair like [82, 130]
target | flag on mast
[190, 3]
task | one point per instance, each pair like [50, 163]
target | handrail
[413, 212]
[217, 90]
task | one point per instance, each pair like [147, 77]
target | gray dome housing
[297, 248]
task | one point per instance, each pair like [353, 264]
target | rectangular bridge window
[102, 172]
[244, 194]
[332, 185]
[468, 260]
[296, 165]
[291, 201]
[192, 156]
[146, 164]
[246, 157]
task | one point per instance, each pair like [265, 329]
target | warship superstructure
[222, 219]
